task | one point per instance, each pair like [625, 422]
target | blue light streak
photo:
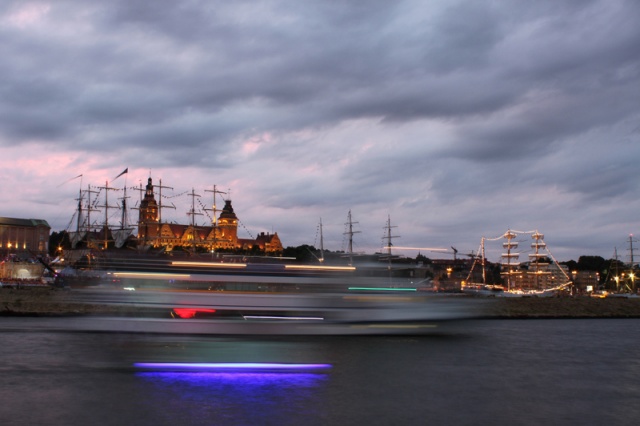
[228, 366]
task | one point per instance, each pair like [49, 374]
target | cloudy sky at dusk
[456, 119]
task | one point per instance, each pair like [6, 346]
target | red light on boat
[191, 312]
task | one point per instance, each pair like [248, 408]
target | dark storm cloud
[339, 62]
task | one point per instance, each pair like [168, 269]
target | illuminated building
[221, 235]
[24, 235]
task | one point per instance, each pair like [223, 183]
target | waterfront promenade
[43, 301]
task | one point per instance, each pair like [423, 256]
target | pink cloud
[28, 15]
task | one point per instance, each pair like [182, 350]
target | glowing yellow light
[149, 275]
[382, 289]
[323, 268]
[210, 264]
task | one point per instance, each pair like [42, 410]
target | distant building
[223, 235]
[269, 243]
[24, 236]
[586, 280]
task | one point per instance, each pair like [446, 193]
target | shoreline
[46, 301]
[578, 307]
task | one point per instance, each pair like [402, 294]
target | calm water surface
[498, 372]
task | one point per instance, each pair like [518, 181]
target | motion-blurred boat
[277, 314]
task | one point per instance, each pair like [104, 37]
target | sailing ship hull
[531, 293]
[483, 290]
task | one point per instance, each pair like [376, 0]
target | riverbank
[564, 307]
[45, 301]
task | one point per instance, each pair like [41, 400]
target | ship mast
[483, 261]
[537, 245]
[388, 237]
[616, 276]
[124, 218]
[121, 234]
[509, 245]
[83, 225]
[90, 209]
[632, 263]
[193, 214]
[79, 218]
[350, 233]
[106, 206]
[321, 243]
[160, 206]
[76, 236]
[214, 220]
[631, 251]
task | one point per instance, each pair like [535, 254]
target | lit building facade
[28, 236]
[221, 236]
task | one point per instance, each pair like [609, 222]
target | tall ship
[541, 275]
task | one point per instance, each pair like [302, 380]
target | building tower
[227, 227]
[148, 217]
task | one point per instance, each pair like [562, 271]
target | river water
[498, 372]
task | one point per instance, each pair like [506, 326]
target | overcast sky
[456, 119]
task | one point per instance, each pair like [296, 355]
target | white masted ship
[540, 276]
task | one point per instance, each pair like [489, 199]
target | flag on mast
[123, 172]
[68, 180]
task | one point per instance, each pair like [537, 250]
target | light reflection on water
[241, 380]
[236, 398]
[240, 384]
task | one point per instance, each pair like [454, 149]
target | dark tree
[303, 253]
[572, 265]
[591, 263]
